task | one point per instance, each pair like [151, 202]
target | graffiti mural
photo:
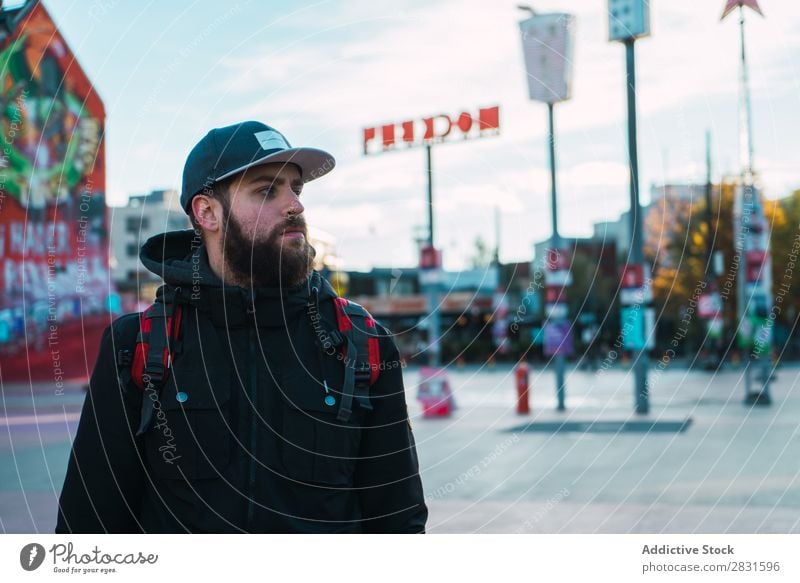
[53, 232]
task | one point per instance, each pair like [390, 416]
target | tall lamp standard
[548, 41]
[754, 282]
[627, 21]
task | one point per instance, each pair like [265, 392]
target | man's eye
[298, 191]
[268, 192]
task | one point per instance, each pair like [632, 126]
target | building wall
[131, 225]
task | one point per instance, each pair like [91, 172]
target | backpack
[158, 342]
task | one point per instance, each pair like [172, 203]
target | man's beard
[274, 262]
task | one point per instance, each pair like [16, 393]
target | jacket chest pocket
[316, 447]
[190, 436]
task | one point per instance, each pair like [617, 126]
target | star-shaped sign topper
[733, 4]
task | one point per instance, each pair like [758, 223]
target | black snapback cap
[226, 151]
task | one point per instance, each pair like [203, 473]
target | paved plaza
[700, 462]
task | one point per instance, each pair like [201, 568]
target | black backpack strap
[354, 339]
[348, 388]
[126, 334]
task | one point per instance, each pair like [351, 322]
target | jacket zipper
[251, 505]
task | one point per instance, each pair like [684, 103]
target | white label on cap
[270, 140]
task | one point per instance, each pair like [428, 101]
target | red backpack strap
[361, 354]
[344, 309]
[156, 344]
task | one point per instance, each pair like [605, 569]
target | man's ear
[207, 212]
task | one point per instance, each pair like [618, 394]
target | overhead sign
[628, 19]
[431, 130]
[548, 42]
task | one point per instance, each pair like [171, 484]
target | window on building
[137, 223]
[132, 250]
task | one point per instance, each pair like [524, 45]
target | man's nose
[295, 207]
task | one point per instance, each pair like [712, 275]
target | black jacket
[250, 445]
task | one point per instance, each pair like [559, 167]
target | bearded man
[254, 428]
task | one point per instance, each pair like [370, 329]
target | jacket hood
[180, 258]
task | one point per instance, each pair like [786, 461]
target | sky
[322, 71]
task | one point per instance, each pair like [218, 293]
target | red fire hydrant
[521, 376]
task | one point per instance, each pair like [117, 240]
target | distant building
[603, 246]
[685, 192]
[144, 216]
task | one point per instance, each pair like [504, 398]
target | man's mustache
[297, 222]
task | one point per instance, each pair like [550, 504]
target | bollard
[521, 377]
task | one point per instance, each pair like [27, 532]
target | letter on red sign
[465, 122]
[388, 136]
[408, 131]
[428, 128]
[369, 135]
[489, 118]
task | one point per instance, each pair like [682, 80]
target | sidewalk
[712, 465]
[701, 461]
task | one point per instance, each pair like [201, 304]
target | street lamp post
[434, 322]
[754, 282]
[711, 301]
[547, 43]
[627, 21]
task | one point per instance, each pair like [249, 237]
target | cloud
[596, 174]
[323, 73]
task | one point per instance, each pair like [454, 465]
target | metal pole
[429, 172]
[746, 160]
[746, 137]
[497, 235]
[739, 250]
[555, 244]
[709, 211]
[710, 272]
[551, 141]
[433, 288]
[750, 199]
[636, 251]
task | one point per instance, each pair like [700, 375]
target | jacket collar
[233, 306]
